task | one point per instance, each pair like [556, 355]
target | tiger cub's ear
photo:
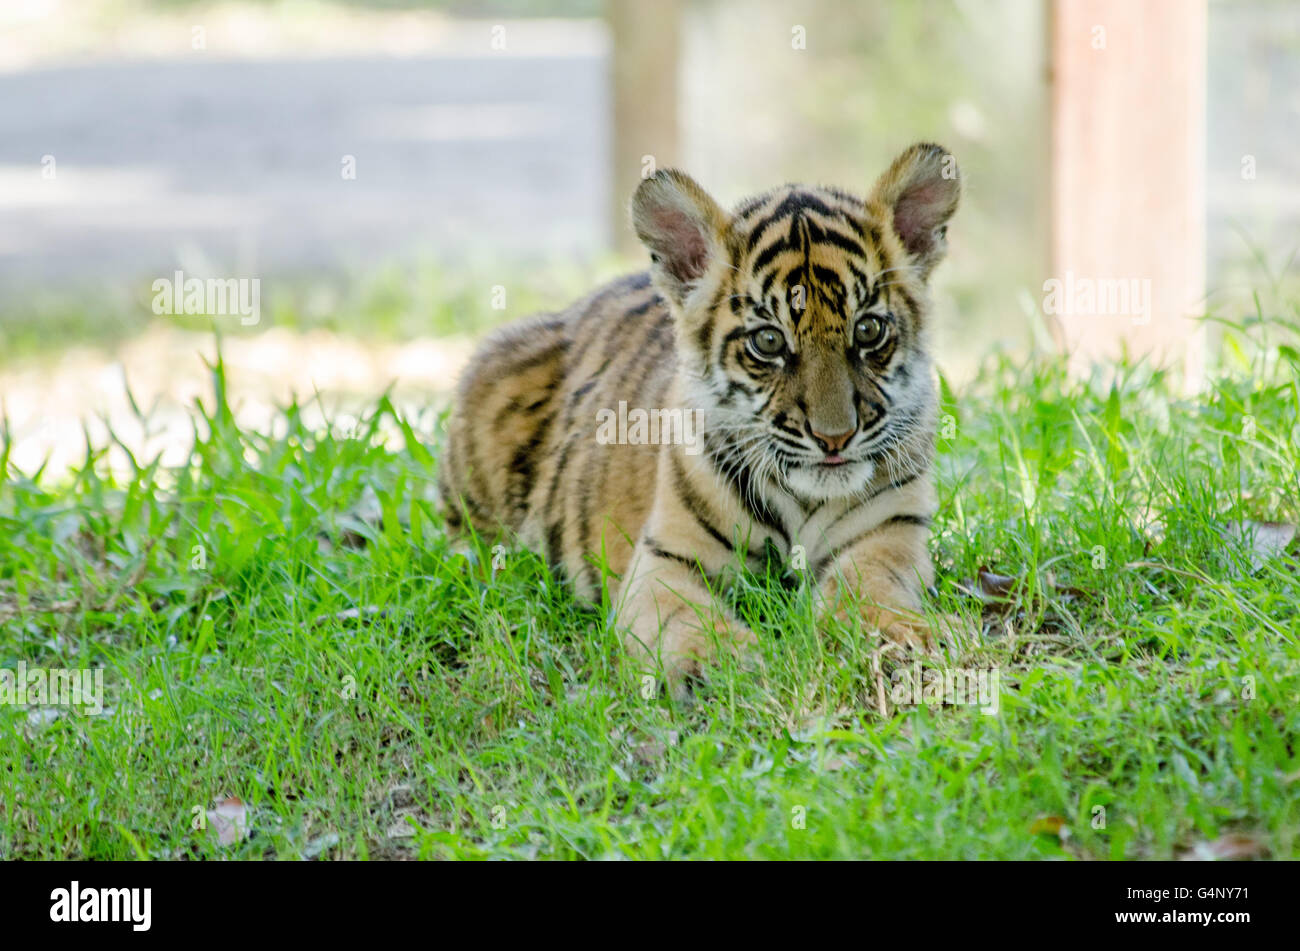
[681, 225]
[921, 190]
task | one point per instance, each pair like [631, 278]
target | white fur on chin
[822, 483]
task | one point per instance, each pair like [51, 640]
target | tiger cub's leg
[881, 577]
[674, 622]
[671, 616]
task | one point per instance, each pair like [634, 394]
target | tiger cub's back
[523, 455]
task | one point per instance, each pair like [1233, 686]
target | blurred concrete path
[237, 165]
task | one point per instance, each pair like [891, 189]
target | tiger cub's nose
[833, 443]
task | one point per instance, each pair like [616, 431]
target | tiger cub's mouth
[828, 475]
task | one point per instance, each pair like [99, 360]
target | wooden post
[1128, 179]
[645, 77]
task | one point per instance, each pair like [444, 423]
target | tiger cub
[782, 351]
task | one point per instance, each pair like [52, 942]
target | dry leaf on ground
[1264, 540]
[229, 821]
[1227, 848]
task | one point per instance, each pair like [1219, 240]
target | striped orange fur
[794, 330]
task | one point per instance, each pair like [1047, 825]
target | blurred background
[400, 176]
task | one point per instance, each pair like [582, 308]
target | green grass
[284, 621]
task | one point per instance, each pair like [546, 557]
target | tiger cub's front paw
[911, 633]
[907, 629]
[684, 654]
[918, 633]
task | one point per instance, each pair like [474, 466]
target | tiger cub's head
[801, 319]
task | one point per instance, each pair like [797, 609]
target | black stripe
[829, 279]
[622, 285]
[864, 285]
[733, 388]
[522, 466]
[586, 486]
[516, 404]
[696, 504]
[640, 309]
[912, 306]
[922, 520]
[898, 579]
[868, 421]
[663, 621]
[474, 482]
[841, 240]
[742, 483]
[767, 255]
[660, 552]
[450, 513]
[583, 390]
[736, 333]
[892, 485]
[556, 475]
[892, 520]
[704, 336]
[793, 203]
[549, 352]
[554, 540]
[875, 495]
[846, 197]
[617, 338]
[749, 206]
[470, 510]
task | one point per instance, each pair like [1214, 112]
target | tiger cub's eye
[870, 332]
[768, 342]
